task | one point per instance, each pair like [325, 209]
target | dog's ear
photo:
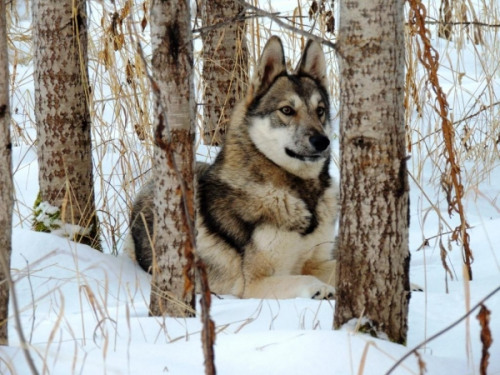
[270, 66]
[313, 63]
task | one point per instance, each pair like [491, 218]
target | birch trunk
[66, 202]
[172, 291]
[6, 188]
[225, 65]
[373, 256]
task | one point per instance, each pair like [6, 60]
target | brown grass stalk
[429, 58]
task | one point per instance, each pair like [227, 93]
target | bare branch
[444, 330]
[476, 113]
[17, 316]
[274, 17]
[462, 23]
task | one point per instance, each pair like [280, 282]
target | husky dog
[267, 206]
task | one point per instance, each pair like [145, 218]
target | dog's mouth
[308, 157]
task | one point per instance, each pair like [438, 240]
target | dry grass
[121, 102]
[455, 153]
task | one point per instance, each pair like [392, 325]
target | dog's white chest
[286, 251]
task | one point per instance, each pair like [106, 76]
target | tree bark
[66, 202]
[6, 188]
[225, 65]
[172, 291]
[373, 256]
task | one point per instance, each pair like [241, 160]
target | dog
[267, 206]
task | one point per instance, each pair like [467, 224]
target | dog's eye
[287, 110]
[320, 111]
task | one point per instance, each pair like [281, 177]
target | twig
[463, 23]
[224, 23]
[484, 321]
[17, 319]
[28, 274]
[274, 17]
[476, 113]
[241, 18]
[444, 330]
[208, 331]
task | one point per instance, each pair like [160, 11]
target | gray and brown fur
[267, 206]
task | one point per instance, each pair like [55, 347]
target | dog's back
[267, 206]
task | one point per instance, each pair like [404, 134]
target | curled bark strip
[208, 332]
[486, 339]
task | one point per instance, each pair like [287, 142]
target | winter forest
[99, 97]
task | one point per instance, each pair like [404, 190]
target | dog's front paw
[324, 292]
[318, 290]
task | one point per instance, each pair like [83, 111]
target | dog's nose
[319, 142]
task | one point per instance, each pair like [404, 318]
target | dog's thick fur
[267, 206]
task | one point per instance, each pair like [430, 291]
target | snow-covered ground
[83, 312]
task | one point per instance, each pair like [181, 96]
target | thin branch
[444, 330]
[463, 23]
[241, 18]
[476, 113]
[226, 22]
[17, 314]
[208, 331]
[274, 17]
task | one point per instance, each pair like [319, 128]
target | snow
[84, 312]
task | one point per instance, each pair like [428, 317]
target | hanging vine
[452, 178]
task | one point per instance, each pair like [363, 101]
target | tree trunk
[225, 65]
[172, 291]
[373, 256]
[66, 202]
[6, 188]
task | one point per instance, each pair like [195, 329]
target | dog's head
[289, 113]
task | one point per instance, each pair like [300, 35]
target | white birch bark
[225, 65]
[63, 121]
[6, 188]
[172, 291]
[373, 256]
